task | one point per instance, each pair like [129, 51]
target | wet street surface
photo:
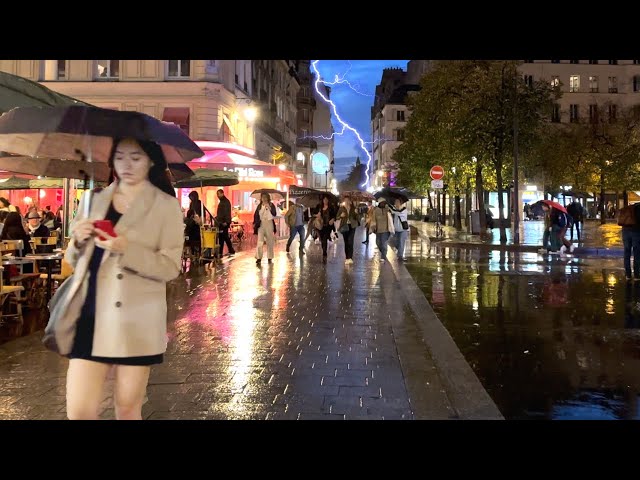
[549, 337]
[293, 340]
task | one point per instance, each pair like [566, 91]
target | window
[305, 91]
[62, 69]
[555, 113]
[237, 79]
[305, 115]
[593, 84]
[555, 81]
[108, 68]
[574, 83]
[613, 62]
[613, 84]
[573, 113]
[400, 135]
[636, 83]
[593, 62]
[528, 80]
[178, 116]
[300, 157]
[304, 133]
[574, 61]
[593, 113]
[400, 115]
[613, 113]
[179, 68]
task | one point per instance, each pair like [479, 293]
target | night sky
[353, 107]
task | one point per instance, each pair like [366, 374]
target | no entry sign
[437, 172]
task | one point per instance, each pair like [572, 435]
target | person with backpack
[629, 220]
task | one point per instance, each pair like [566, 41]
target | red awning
[177, 115]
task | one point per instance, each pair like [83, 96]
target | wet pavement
[593, 235]
[293, 340]
[548, 337]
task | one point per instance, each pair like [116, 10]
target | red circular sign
[437, 172]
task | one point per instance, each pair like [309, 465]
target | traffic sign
[437, 172]
[437, 184]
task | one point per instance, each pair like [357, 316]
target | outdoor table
[49, 258]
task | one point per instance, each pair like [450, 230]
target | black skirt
[83, 342]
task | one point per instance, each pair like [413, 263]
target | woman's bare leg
[85, 388]
[129, 391]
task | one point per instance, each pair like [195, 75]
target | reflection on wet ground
[592, 234]
[549, 337]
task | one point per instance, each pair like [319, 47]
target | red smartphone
[105, 226]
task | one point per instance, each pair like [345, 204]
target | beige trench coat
[131, 303]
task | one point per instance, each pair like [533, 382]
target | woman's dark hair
[265, 195]
[5, 202]
[13, 227]
[158, 175]
[3, 215]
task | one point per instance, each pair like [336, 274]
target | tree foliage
[468, 109]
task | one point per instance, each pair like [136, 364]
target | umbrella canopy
[17, 183]
[276, 195]
[17, 91]
[206, 177]
[555, 205]
[79, 132]
[358, 196]
[55, 167]
[295, 191]
[312, 200]
[390, 194]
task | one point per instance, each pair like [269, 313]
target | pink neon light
[208, 145]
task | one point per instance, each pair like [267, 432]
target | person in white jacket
[401, 226]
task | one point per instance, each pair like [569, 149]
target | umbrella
[17, 91]
[17, 183]
[555, 205]
[295, 191]
[207, 177]
[312, 200]
[55, 167]
[391, 194]
[358, 196]
[276, 195]
[79, 132]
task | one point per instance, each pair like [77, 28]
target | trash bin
[474, 222]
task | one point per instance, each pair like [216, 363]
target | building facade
[275, 89]
[208, 99]
[389, 115]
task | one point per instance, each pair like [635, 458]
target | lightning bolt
[345, 125]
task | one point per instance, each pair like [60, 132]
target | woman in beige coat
[118, 292]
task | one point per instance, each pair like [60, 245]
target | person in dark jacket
[327, 214]
[224, 222]
[631, 241]
[577, 213]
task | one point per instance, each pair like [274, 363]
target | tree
[468, 109]
[356, 177]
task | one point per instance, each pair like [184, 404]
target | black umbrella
[17, 91]
[55, 167]
[311, 200]
[79, 132]
[390, 194]
[276, 195]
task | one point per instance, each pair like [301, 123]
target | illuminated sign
[246, 172]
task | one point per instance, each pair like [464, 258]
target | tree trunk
[603, 218]
[480, 195]
[625, 198]
[503, 230]
[457, 222]
[430, 201]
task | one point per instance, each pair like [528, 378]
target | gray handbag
[61, 329]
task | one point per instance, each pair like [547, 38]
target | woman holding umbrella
[118, 292]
